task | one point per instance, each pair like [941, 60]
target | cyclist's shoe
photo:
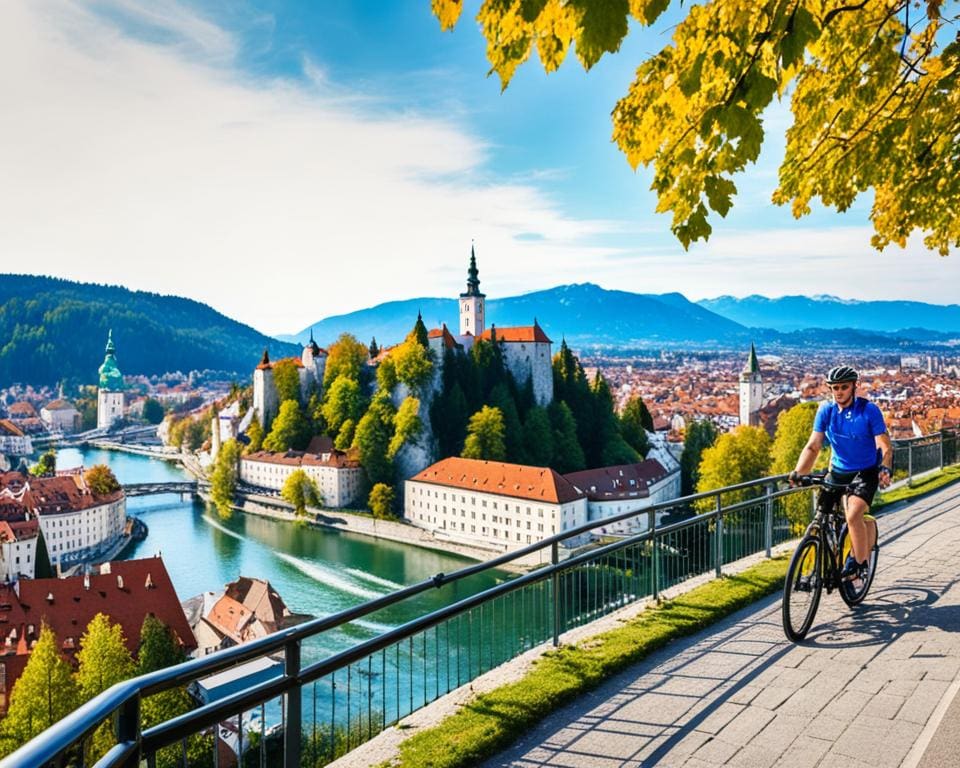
[852, 569]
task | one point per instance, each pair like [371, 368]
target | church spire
[753, 365]
[473, 279]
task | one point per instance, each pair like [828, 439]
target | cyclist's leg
[858, 500]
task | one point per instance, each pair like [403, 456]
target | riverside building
[337, 474]
[492, 504]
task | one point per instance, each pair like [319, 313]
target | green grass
[494, 720]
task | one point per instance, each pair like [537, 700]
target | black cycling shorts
[862, 484]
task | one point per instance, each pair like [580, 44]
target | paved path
[869, 686]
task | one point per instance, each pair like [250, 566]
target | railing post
[654, 555]
[909, 464]
[768, 520]
[555, 559]
[128, 728]
[293, 725]
[719, 530]
[940, 448]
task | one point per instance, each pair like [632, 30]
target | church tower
[751, 390]
[471, 302]
[110, 393]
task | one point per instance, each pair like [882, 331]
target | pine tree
[538, 438]
[419, 333]
[42, 568]
[44, 693]
[611, 448]
[567, 452]
[374, 350]
[633, 427]
[501, 399]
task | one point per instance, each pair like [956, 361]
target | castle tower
[110, 399]
[751, 390]
[264, 391]
[471, 302]
[314, 360]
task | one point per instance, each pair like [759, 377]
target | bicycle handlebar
[820, 479]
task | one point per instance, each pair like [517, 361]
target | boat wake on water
[329, 576]
[373, 579]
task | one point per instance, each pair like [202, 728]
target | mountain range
[586, 314]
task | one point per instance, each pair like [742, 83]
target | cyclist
[855, 430]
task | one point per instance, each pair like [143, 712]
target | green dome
[111, 379]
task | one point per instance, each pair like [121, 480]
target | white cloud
[126, 161]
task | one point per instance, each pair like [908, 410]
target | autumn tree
[736, 457]
[255, 436]
[223, 479]
[343, 402]
[413, 362]
[485, 436]
[286, 378]
[300, 490]
[386, 374]
[381, 500]
[100, 480]
[46, 465]
[345, 357]
[407, 426]
[873, 94]
[44, 693]
[290, 429]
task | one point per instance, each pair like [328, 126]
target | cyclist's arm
[808, 456]
[886, 457]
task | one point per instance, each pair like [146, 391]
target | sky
[287, 161]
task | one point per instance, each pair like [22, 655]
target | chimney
[105, 569]
[149, 582]
[50, 597]
[119, 581]
[86, 581]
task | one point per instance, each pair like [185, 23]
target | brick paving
[858, 692]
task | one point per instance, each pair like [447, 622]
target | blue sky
[286, 161]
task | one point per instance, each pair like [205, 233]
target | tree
[873, 98]
[286, 378]
[100, 480]
[609, 446]
[346, 357]
[449, 414]
[344, 439]
[407, 426]
[255, 436]
[386, 374]
[567, 452]
[301, 491]
[736, 457]
[344, 402]
[103, 658]
[632, 425]
[381, 501]
[538, 438]
[419, 333]
[700, 435]
[42, 567]
[793, 431]
[290, 429]
[373, 349]
[485, 436]
[223, 480]
[153, 411]
[372, 440]
[413, 361]
[501, 399]
[44, 693]
[46, 465]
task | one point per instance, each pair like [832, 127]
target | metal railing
[326, 708]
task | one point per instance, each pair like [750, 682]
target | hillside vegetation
[55, 329]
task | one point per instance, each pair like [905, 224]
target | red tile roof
[13, 530]
[515, 480]
[442, 333]
[7, 427]
[529, 333]
[131, 591]
[22, 409]
[51, 495]
[337, 459]
[59, 405]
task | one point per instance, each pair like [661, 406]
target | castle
[310, 366]
[526, 349]
[110, 398]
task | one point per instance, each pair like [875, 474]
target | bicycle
[818, 561]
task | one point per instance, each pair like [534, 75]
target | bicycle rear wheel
[854, 590]
[801, 591]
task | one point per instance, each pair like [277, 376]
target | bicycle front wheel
[854, 590]
[801, 591]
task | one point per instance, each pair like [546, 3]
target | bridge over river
[149, 489]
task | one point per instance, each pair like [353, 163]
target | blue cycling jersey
[851, 433]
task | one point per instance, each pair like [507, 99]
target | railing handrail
[82, 721]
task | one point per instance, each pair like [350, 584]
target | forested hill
[52, 329]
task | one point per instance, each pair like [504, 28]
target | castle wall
[264, 396]
[526, 359]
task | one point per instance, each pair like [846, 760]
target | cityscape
[340, 386]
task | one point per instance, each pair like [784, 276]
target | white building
[13, 440]
[751, 391]
[612, 491]
[338, 476]
[77, 524]
[110, 398]
[492, 504]
[60, 416]
[18, 550]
